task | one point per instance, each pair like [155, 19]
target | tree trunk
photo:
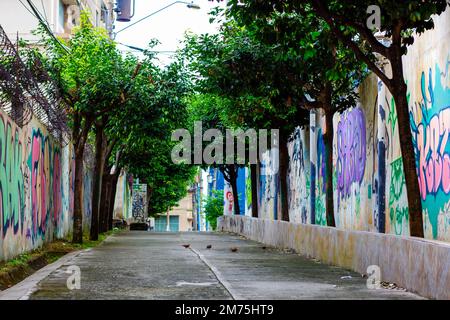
[77, 236]
[97, 182]
[104, 201]
[233, 169]
[254, 182]
[79, 136]
[237, 210]
[328, 141]
[408, 155]
[284, 163]
[112, 196]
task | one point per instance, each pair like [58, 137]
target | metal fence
[25, 92]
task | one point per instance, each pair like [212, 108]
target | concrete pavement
[147, 265]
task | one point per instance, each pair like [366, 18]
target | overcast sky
[168, 26]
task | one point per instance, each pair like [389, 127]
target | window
[104, 15]
[61, 12]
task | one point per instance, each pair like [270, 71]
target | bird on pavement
[186, 245]
[234, 249]
[208, 246]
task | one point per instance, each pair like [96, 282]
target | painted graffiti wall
[379, 188]
[299, 177]
[123, 200]
[268, 186]
[242, 184]
[139, 208]
[318, 168]
[248, 192]
[353, 161]
[228, 208]
[429, 100]
[368, 181]
[241, 189]
[36, 187]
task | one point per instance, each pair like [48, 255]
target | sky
[168, 26]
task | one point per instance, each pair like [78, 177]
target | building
[180, 217]
[18, 19]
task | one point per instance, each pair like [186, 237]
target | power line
[46, 26]
[44, 18]
[27, 9]
[189, 5]
[45, 13]
[140, 49]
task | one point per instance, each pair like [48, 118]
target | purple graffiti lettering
[351, 148]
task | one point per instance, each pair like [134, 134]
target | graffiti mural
[351, 151]
[139, 210]
[12, 195]
[41, 191]
[269, 185]
[398, 209]
[321, 179]
[36, 187]
[299, 177]
[248, 192]
[64, 223]
[379, 175]
[228, 199]
[369, 187]
[431, 131]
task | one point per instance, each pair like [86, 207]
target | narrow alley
[149, 265]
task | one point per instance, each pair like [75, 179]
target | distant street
[146, 265]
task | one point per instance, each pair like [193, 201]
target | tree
[234, 66]
[214, 208]
[209, 109]
[328, 73]
[87, 72]
[146, 139]
[108, 130]
[398, 21]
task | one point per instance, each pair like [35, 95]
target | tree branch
[365, 33]
[323, 12]
[84, 133]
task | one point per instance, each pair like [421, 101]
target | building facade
[19, 20]
[181, 216]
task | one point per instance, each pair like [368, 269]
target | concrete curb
[418, 265]
[24, 289]
[218, 276]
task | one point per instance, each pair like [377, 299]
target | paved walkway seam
[218, 276]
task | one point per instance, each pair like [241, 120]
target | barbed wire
[24, 93]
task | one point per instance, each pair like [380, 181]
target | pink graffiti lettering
[434, 159]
